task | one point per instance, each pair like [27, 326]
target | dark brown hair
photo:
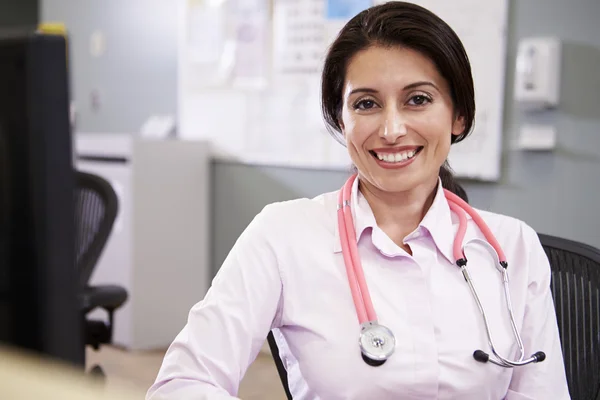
[403, 24]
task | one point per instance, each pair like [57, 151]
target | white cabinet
[159, 247]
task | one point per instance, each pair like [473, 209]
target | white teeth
[396, 157]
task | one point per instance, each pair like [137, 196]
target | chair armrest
[109, 297]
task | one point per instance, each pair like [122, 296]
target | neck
[399, 214]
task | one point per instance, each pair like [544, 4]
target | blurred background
[198, 113]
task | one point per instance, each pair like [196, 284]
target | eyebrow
[407, 87]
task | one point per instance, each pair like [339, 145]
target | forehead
[387, 66]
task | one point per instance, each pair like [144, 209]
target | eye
[365, 104]
[419, 100]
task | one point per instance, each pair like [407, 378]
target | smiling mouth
[397, 157]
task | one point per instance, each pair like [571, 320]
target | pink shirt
[286, 273]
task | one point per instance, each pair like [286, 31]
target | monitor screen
[39, 308]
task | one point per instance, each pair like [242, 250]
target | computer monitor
[39, 309]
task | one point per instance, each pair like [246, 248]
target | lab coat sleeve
[226, 330]
[544, 380]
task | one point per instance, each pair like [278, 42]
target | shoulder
[287, 216]
[299, 209]
[523, 250]
[519, 241]
[507, 226]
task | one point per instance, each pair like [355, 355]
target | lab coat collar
[438, 221]
[362, 216]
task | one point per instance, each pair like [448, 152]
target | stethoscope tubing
[460, 209]
[359, 288]
[360, 291]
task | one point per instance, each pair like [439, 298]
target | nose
[394, 126]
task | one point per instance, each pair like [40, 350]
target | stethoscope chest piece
[377, 343]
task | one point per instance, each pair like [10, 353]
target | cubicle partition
[159, 247]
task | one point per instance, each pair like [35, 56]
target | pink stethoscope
[377, 342]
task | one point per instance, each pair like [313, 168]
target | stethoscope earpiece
[481, 356]
[539, 356]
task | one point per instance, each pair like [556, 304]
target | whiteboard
[254, 94]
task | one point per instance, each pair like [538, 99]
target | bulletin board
[249, 79]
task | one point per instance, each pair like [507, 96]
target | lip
[396, 165]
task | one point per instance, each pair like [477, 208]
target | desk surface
[24, 377]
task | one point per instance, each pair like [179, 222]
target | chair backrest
[279, 364]
[576, 291]
[96, 207]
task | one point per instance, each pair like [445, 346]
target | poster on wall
[225, 43]
[302, 32]
[298, 40]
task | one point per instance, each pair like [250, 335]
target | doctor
[397, 91]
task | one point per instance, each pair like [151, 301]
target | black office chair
[96, 206]
[279, 364]
[576, 291]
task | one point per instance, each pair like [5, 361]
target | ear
[458, 127]
[342, 126]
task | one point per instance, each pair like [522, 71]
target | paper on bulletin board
[298, 39]
[338, 13]
[302, 32]
[205, 32]
[226, 43]
[209, 43]
[345, 9]
[252, 51]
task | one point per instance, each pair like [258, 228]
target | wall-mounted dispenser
[538, 69]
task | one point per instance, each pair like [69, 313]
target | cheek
[357, 128]
[437, 131]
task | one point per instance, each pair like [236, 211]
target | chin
[398, 182]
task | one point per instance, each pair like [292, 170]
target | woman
[397, 89]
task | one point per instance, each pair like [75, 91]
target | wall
[18, 12]
[556, 192]
[136, 77]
